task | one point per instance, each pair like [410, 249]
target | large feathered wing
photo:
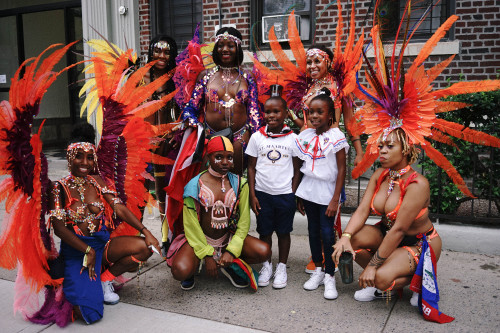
[291, 76]
[25, 239]
[126, 142]
[347, 61]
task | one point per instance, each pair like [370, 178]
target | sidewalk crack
[388, 316]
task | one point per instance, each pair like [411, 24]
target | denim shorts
[276, 213]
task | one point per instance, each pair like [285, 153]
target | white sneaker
[368, 294]
[110, 297]
[280, 276]
[265, 274]
[315, 280]
[414, 299]
[330, 288]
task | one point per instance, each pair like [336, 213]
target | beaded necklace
[79, 183]
[396, 174]
[218, 175]
[227, 82]
[315, 87]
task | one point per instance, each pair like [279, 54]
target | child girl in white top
[323, 150]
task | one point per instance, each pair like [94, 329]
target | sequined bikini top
[220, 219]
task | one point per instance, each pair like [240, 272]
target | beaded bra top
[82, 213]
[220, 220]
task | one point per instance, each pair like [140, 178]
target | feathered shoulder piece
[25, 239]
[190, 63]
[289, 75]
[395, 99]
[125, 145]
[343, 67]
[347, 57]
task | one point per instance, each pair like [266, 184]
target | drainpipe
[220, 14]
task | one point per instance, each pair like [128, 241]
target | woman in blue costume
[80, 208]
[226, 96]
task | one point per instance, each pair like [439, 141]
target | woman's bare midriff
[216, 117]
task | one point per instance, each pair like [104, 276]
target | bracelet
[84, 263]
[347, 234]
[142, 229]
[354, 140]
[294, 116]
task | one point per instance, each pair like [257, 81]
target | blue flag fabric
[424, 282]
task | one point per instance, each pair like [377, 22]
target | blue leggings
[320, 229]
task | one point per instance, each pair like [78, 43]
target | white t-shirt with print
[274, 168]
[320, 173]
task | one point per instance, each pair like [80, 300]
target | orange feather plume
[466, 133]
[441, 137]
[296, 44]
[415, 109]
[431, 43]
[450, 170]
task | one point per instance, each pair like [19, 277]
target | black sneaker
[235, 279]
[188, 284]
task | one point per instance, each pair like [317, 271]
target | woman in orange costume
[401, 196]
[399, 113]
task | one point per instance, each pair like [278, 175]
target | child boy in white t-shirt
[273, 177]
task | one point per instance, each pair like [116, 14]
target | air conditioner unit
[280, 24]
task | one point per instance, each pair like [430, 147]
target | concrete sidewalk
[469, 285]
[468, 277]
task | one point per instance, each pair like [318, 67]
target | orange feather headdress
[395, 99]
[344, 65]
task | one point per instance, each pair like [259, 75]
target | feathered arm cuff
[191, 111]
[253, 114]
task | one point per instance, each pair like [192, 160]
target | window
[274, 13]
[392, 11]
[177, 19]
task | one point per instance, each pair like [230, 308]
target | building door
[26, 31]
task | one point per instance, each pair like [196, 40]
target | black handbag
[227, 132]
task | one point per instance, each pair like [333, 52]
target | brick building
[474, 39]
[25, 33]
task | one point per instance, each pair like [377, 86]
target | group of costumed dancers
[198, 120]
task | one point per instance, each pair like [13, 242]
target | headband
[162, 45]
[227, 36]
[73, 149]
[317, 52]
[219, 143]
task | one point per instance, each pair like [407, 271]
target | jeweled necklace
[226, 77]
[79, 183]
[316, 86]
[227, 105]
[218, 175]
[396, 174]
